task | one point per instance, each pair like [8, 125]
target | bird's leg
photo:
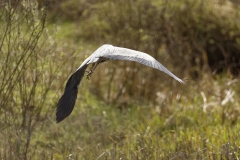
[90, 72]
[90, 69]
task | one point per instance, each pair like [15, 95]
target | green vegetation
[125, 111]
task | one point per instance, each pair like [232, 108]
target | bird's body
[103, 53]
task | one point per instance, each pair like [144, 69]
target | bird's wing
[68, 99]
[119, 53]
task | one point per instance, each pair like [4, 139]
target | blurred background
[126, 110]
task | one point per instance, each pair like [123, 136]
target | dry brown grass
[141, 113]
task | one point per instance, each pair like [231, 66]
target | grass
[193, 121]
[180, 129]
[198, 120]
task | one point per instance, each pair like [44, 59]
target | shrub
[186, 35]
[29, 65]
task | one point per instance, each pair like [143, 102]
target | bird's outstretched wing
[119, 53]
[68, 99]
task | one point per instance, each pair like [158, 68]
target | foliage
[200, 33]
[125, 111]
[184, 35]
[29, 65]
[200, 123]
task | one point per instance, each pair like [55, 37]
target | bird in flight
[105, 52]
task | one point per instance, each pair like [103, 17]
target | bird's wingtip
[182, 82]
[58, 119]
[185, 81]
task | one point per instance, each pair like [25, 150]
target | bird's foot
[89, 74]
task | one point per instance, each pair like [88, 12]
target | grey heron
[105, 52]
